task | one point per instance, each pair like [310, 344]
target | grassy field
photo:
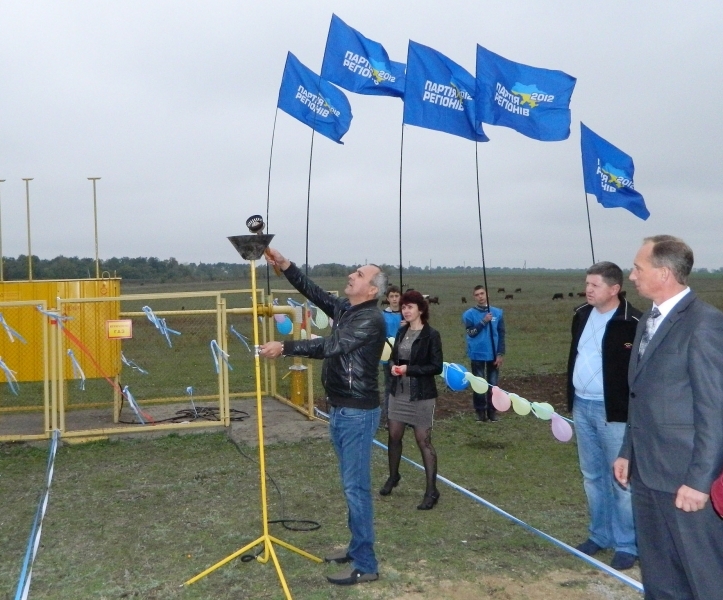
[134, 519]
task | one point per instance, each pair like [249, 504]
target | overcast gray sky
[172, 103]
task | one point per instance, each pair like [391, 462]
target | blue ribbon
[12, 334]
[160, 325]
[133, 405]
[54, 315]
[10, 376]
[26, 572]
[77, 370]
[189, 391]
[217, 352]
[242, 338]
[132, 364]
[294, 303]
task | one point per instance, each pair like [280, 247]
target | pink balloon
[500, 400]
[560, 428]
[280, 318]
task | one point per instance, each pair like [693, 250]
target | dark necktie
[647, 336]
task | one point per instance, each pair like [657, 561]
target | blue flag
[314, 101]
[608, 174]
[534, 102]
[439, 94]
[359, 64]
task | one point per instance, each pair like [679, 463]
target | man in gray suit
[673, 446]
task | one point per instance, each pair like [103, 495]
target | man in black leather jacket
[351, 355]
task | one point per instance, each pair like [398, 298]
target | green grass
[137, 518]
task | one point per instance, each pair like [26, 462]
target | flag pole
[308, 200]
[268, 196]
[482, 247]
[589, 228]
[401, 160]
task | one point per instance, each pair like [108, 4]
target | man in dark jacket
[603, 331]
[351, 357]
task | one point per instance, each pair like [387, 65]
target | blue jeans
[486, 369]
[352, 431]
[609, 504]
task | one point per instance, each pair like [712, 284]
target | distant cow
[623, 293]
[581, 294]
[385, 301]
[518, 291]
[500, 290]
[464, 300]
[558, 296]
[433, 299]
[509, 297]
[570, 295]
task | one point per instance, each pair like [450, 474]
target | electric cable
[206, 413]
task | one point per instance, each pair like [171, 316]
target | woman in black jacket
[416, 359]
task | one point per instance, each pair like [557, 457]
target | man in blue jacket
[485, 334]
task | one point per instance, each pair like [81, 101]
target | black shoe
[481, 417]
[389, 485]
[623, 561]
[493, 418]
[589, 547]
[350, 576]
[339, 557]
[429, 501]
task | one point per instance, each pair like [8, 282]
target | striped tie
[647, 336]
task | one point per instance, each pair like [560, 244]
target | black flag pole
[308, 201]
[589, 228]
[401, 161]
[268, 196]
[482, 247]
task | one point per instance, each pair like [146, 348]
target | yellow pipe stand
[266, 539]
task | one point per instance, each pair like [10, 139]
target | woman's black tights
[424, 441]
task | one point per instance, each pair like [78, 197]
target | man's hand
[499, 360]
[487, 318]
[621, 468]
[399, 370]
[274, 257]
[271, 350]
[689, 500]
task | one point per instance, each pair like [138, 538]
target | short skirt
[417, 413]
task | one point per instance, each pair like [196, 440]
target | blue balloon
[285, 327]
[454, 377]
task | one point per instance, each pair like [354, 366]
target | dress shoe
[429, 501]
[589, 547]
[350, 576]
[389, 485]
[338, 556]
[623, 561]
[493, 418]
[481, 417]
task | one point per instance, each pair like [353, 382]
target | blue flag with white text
[533, 101]
[359, 64]
[439, 94]
[313, 101]
[608, 174]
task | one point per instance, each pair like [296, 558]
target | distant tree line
[163, 270]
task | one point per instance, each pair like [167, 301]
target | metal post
[27, 181]
[95, 221]
[1, 240]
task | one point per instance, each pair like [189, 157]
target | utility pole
[95, 221]
[27, 181]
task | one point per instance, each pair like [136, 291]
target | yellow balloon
[321, 320]
[387, 351]
[478, 384]
[520, 405]
[302, 334]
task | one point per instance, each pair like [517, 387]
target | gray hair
[380, 281]
[671, 252]
[610, 273]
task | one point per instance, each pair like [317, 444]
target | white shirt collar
[668, 305]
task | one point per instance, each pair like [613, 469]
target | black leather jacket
[424, 363]
[351, 352]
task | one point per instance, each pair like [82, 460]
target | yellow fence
[134, 363]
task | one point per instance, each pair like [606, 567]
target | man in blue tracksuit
[485, 329]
